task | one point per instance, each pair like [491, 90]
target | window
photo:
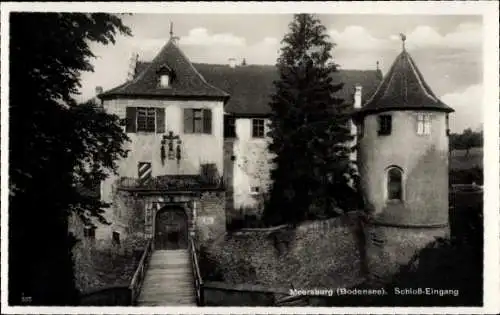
[89, 232]
[229, 127]
[197, 120]
[164, 80]
[258, 128]
[394, 183]
[145, 119]
[384, 125]
[116, 238]
[254, 190]
[423, 124]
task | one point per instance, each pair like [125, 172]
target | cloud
[356, 37]
[468, 106]
[465, 36]
[201, 36]
[264, 51]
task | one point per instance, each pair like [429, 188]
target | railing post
[202, 297]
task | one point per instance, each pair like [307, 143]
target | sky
[446, 48]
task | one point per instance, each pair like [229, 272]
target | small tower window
[394, 183]
[164, 80]
[423, 124]
[384, 125]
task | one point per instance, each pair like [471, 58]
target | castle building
[198, 145]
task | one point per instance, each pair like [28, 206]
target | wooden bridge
[167, 278]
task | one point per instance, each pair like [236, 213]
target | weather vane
[172, 37]
[403, 38]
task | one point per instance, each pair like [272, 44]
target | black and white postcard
[334, 157]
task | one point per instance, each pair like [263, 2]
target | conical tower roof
[403, 88]
[186, 81]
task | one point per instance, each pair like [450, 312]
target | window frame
[162, 82]
[387, 178]
[147, 111]
[198, 116]
[256, 131]
[229, 127]
[424, 124]
[256, 191]
[89, 232]
[384, 128]
[198, 119]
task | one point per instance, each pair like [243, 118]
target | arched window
[394, 183]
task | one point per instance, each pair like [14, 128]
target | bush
[209, 269]
[466, 176]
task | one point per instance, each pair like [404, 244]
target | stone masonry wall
[210, 217]
[251, 167]
[314, 255]
[388, 247]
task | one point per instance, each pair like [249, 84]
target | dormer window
[165, 76]
[164, 80]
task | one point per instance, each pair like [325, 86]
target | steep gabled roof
[186, 80]
[403, 88]
[251, 86]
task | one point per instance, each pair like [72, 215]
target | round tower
[403, 165]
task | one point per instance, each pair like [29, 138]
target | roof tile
[186, 81]
[403, 88]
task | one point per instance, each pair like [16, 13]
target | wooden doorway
[171, 228]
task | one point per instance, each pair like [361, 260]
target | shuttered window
[145, 119]
[197, 120]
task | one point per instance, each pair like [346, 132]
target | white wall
[252, 163]
[196, 149]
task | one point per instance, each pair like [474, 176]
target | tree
[467, 140]
[309, 128]
[56, 147]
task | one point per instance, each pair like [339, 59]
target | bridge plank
[168, 280]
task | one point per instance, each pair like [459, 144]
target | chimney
[98, 90]
[357, 96]
[131, 67]
[232, 62]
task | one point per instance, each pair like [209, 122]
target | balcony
[172, 183]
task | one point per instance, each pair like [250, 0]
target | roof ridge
[196, 70]
[419, 79]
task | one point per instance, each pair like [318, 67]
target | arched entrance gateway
[171, 228]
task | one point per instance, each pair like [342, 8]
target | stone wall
[210, 216]
[315, 254]
[251, 166]
[99, 263]
[388, 247]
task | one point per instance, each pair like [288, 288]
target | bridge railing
[138, 278]
[198, 281]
